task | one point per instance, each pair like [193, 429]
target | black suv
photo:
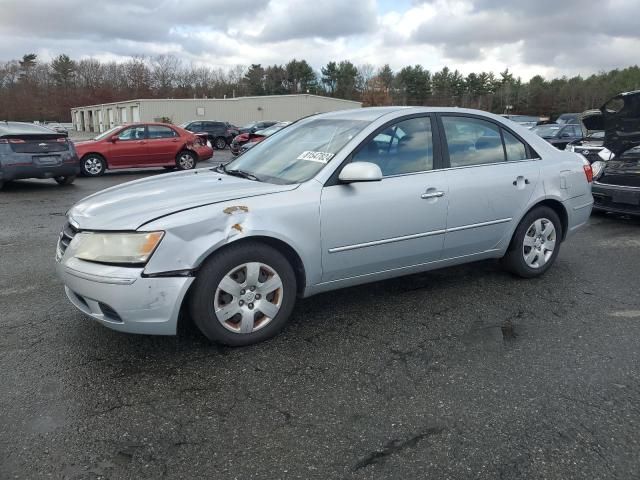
[220, 134]
[32, 151]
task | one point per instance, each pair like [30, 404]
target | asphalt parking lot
[460, 373]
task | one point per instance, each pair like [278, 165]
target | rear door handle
[428, 195]
[521, 179]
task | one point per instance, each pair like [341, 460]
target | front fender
[292, 217]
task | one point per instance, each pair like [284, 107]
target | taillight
[588, 171]
[61, 140]
[4, 141]
[16, 140]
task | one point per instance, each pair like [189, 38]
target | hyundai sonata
[331, 201]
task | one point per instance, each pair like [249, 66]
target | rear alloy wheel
[65, 180]
[93, 166]
[535, 243]
[186, 160]
[243, 295]
[220, 143]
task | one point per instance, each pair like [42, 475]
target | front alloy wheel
[248, 297]
[243, 294]
[93, 166]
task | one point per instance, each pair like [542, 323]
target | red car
[142, 145]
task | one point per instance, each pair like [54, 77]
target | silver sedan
[331, 201]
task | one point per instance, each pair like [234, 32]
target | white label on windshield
[322, 157]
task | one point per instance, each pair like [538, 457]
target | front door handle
[428, 195]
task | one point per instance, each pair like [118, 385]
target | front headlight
[120, 248]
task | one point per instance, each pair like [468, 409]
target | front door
[395, 223]
[491, 180]
[130, 148]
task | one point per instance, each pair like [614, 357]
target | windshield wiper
[240, 173]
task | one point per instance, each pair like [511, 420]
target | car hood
[619, 117]
[131, 205]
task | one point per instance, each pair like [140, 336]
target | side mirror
[113, 139]
[565, 135]
[360, 172]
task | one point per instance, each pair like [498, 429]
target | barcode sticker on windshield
[322, 157]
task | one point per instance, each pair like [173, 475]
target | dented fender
[192, 236]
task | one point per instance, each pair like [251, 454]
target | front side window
[405, 147]
[472, 141]
[298, 152]
[132, 133]
[158, 131]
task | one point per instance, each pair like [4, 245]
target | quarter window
[158, 131]
[472, 141]
[516, 150]
[132, 133]
[405, 147]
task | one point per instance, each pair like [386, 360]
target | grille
[66, 235]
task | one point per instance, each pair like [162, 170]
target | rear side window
[158, 131]
[194, 127]
[472, 141]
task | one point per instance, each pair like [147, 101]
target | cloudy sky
[547, 37]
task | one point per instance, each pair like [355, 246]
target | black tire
[1, 184]
[93, 165]
[65, 180]
[185, 160]
[220, 143]
[514, 260]
[217, 267]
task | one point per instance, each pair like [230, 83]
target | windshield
[298, 152]
[596, 136]
[271, 130]
[547, 131]
[249, 125]
[106, 134]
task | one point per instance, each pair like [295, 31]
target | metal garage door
[135, 114]
[110, 117]
[123, 115]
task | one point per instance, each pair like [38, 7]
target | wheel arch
[556, 206]
[280, 245]
[283, 247]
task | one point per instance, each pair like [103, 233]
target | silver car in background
[331, 201]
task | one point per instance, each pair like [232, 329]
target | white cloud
[543, 37]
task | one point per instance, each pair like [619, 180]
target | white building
[238, 111]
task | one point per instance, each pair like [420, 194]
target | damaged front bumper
[123, 298]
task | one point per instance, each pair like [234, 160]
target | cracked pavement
[459, 373]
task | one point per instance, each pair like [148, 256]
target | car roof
[23, 128]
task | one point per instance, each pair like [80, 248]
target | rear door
[398, 222]
[491, 176]
[163, 144]
[129, 149]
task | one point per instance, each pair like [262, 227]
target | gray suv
[32, 151]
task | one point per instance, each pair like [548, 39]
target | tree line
[31, 89]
